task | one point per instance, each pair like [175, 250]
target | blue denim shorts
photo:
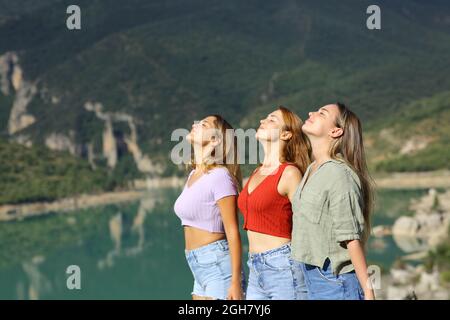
[273, 276]
[323, 284]
[211, 268]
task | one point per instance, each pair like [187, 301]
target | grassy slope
[170, 63]
[37, 174]
[428, 119]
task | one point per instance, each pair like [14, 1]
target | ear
[286, 135]
[336, 132]
[215, 141]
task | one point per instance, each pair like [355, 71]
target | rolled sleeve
[347, 214]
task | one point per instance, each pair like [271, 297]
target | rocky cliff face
[61, 142]
[143, 162]
[13, 82]
[110, 150]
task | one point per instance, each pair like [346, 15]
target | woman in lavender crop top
[207, 208]
[197, 205]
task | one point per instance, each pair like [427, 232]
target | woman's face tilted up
[270, 127]
[203, 132]
[322, 123]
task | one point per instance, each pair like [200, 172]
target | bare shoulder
[289, 181]
[291, 174]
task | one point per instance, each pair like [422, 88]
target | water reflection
[116, 232]
[410, 244]
[128, 251]
[39, 284]
[145, 206]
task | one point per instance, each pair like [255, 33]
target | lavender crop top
[197, 205]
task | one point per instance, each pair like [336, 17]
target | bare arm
[359, 262]
[228, 210]
[289, 182]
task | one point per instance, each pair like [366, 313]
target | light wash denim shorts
[273, 276]
[211, 268]
[323, 284]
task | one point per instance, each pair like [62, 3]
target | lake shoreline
[413, 180]
[25, 210]
[9, 212]
[136, 190]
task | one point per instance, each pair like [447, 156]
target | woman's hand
[235, 291]
[369, 295]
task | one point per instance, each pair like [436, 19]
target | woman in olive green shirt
[332, 206]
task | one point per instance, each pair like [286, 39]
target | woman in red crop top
[265, 203]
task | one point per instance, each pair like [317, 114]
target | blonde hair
[350, 148]
[229, 148]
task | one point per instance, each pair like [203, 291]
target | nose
[310, 114]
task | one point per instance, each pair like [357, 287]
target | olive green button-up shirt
[328, 211]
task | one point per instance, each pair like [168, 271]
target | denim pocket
[328, 276]
[278, 262]
[206, 260]
[223, 246]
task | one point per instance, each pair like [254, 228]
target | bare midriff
[195, 238]
[260, 242]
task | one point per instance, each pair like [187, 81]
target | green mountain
[37, 174]
[112, 92]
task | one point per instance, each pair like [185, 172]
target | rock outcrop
[109, 144]
[61, 142]
[11, 79]
[409, 281]
[430, 222]
[422, 232]
[110, 151]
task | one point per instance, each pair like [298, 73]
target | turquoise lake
[131, 250]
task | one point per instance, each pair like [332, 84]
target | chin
[260, 137]
[305, 129]
[259, 134]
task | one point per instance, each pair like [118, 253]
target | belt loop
[221, 245]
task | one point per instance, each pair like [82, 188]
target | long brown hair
[350, 148]
[297, 149]
[229, 149]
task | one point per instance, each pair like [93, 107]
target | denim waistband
[219, 244]
[284, 249]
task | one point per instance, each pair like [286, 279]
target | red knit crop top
[264, 209]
